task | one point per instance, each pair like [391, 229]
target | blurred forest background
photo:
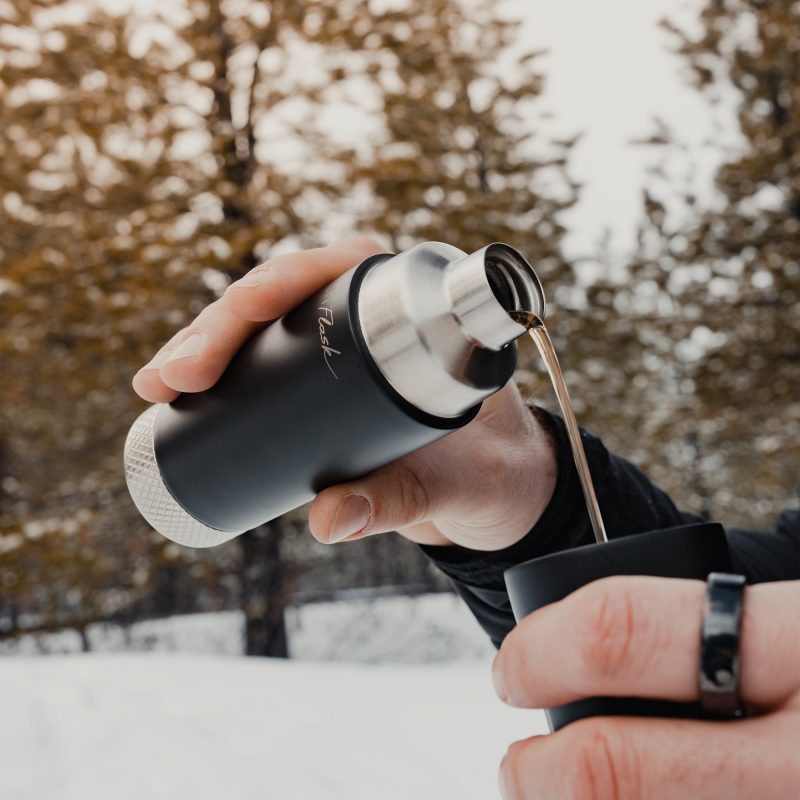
[150, 158]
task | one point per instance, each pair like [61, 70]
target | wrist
[558, 518]
[514, 487]
[538, 466]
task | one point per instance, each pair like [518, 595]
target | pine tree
[731, 266]
[138, 176]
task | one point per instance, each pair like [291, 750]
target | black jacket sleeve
[629, 503]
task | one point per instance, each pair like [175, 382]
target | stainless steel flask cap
[432, 315]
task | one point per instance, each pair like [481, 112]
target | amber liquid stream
[545, 347]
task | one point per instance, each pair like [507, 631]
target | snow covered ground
[171, 726]
[211, 724]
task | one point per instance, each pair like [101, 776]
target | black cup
[689, 551]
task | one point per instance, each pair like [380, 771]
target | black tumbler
[689, 551]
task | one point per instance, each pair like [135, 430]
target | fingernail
[156, 361]
[497, 679]
[257, 277]
[189, 347]
[351, 516]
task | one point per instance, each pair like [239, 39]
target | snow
[212, 724]
[176, 726]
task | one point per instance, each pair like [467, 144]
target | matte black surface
[689, 551]
[284, 421]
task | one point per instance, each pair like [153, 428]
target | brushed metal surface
[426, 312]
[152, 497]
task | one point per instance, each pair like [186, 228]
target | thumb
[404, 492]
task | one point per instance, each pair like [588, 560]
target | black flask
[394, 354]
[688, 551]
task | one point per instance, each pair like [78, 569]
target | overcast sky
[609, 73]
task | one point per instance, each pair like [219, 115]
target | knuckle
[195, 327]
[207, 312]
[412, 495]
[610, 624]
[366, 242]
[793, 776]
[512, 655]
[604, 767]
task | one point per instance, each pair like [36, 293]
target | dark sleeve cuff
[628, 502]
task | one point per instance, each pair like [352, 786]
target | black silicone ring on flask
[689, 551]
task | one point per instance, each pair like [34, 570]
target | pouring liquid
[545, 347]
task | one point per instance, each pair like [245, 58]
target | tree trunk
[264, 591]
[165, 593]
[700, 484]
